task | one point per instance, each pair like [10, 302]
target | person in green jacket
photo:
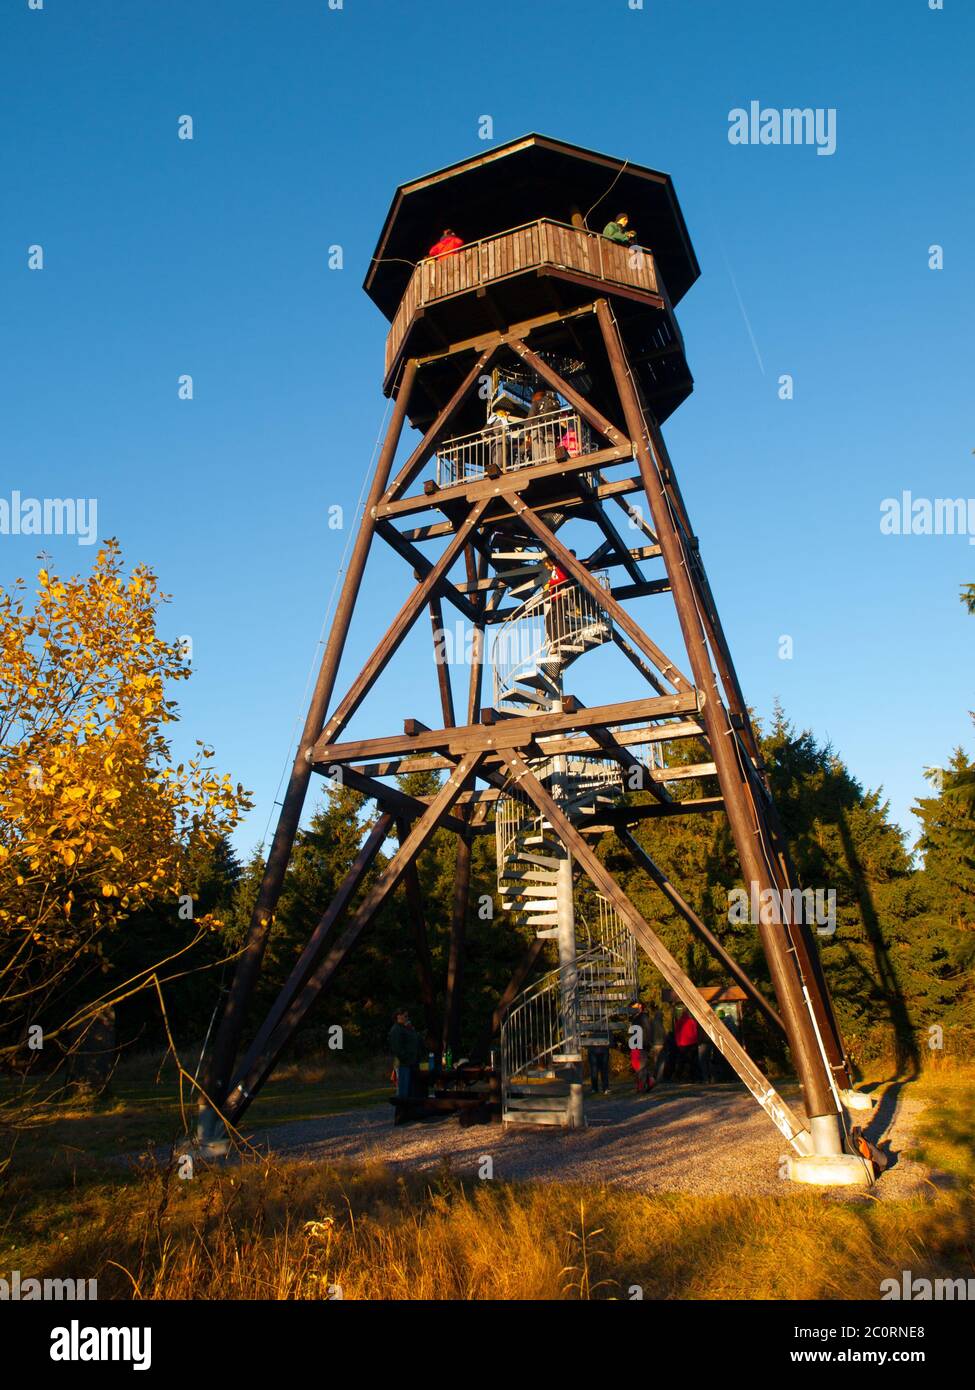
[619, 229]
[406, 1046]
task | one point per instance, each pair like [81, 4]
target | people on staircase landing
[543, 403]
[569, 446]
[538, 440]
[557, 577]
[498, 433]
[555, 586]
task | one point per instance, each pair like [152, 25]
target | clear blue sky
[209, 257]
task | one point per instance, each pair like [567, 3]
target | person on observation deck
[619, 229]
[448, 243]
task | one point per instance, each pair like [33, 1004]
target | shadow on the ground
[881, 1122]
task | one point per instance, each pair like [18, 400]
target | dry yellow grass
[309, 1232]
[260, 1230]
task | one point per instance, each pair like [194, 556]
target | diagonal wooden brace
[653, 871]
[399, 627]
[303, 967]
[588, 411]
[564, 557]
[428, 444]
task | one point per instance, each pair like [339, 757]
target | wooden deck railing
[510, 253]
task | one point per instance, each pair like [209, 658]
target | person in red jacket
[556, 598]
[686, 1036]
[448, 243]
[641, 1048]
[685, 1029]
[569, 443]
[557, 577]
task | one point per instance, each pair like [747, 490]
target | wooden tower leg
[750, 834]
[458, 934]
[344, 894]
[260, 1061]
[424, 967]
[807, 955]
[217, 1070]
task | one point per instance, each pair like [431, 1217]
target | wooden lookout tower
[537, 359]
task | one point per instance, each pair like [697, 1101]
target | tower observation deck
[530, 213]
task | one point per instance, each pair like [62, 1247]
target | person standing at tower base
[599, 1068]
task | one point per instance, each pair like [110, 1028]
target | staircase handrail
[552, 1039]
[556, 625]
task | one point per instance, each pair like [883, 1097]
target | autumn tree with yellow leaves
[96, 821]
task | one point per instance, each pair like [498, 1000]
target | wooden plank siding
[536, 245]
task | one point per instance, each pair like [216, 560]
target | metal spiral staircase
[578, 1004]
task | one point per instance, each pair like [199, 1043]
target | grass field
[266, 1230]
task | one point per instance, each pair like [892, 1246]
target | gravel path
[680, 1139]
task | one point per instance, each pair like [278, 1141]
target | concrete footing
[576, 1109]
[830, 1170]
[825, 1162]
